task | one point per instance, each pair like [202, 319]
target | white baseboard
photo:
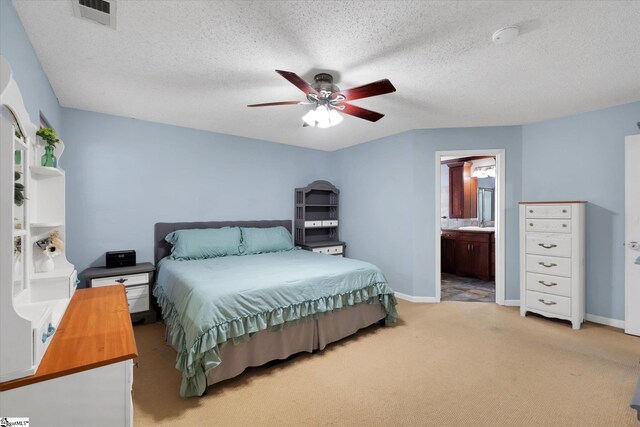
[516, 303]
[411, 298]
[431, 300]
[605, 321]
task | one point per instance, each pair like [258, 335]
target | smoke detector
[506, 34]
[101, 12]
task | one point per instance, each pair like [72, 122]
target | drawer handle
[50, 331]
[547, 246]
[121, 280]
[542, 282]
[551, 264]
[530, 210]
[530, 224]
[564, 225]
[564, 211]
[547, 303]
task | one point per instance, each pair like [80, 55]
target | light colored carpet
[447, 364]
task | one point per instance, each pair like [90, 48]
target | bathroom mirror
[485, 204]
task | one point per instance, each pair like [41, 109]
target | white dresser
[86, 376]
[552, 260]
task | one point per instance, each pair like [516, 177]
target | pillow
[201, 243]
[260, 240]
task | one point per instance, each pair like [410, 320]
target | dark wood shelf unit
[324, 243]
[316, 216]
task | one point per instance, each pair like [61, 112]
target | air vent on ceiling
[99, 11]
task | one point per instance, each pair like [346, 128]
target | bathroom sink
[476, 228]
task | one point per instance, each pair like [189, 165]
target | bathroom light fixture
[322, 117]
[484, 172]
[479, 173]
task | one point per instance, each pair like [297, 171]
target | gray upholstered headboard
[162, 249]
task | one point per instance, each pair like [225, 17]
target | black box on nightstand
[120, 259]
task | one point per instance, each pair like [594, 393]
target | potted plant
[49, 136]
[18, 190]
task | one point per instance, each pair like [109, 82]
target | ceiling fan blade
[269, 104]
[361, 113]
[365, 91]
[297, 81]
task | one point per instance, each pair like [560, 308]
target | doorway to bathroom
[470, 213]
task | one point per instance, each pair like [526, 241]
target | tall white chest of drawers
[552, 260]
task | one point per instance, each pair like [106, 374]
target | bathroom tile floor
[457, 288]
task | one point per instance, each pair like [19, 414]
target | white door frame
[632, 226]
[500, 216]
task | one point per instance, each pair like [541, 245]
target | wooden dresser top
[95, 331]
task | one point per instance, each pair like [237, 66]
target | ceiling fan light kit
[322, 117]
[328, 99]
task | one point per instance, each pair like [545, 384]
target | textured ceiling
[199, 63]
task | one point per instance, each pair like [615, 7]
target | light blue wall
[581, 157]
[375, 181]
[124, 175]
[387, 193]
[27, 71]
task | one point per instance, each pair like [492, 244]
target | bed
[225, 314]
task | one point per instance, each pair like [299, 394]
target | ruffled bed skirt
[196, 360]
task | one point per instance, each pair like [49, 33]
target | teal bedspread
[211, 301]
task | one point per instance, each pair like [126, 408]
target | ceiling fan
[329, 99]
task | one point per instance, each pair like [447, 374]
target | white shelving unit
[31, 303]
[43, 172]
[45, 225]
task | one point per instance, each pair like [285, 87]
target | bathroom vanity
[469, 251]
